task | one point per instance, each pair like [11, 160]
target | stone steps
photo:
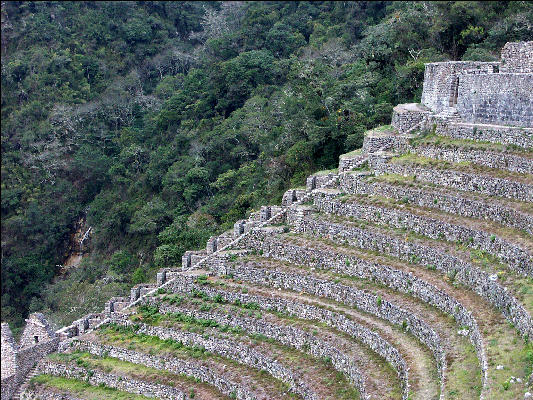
[496, 183]
[510, 246]
[379, 335]
[517, 215]
[299, 334]
[227, 376]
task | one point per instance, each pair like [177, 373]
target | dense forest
[158, 124]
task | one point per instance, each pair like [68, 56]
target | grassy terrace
[505, 346]
[423, 377]
[74, 387]
[520, 237]
[521, 287]
[466, 144]
[318, 373]
[256, 380]
[115, 366]
[465, 166]
[352, 153]
[464, 375]
[327, 171]
[412, 182]
[423, 384]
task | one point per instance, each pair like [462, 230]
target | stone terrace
[407, 273]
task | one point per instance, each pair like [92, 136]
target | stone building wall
[500, 99]
[9, 352]
[517, 57]
[438, 80]
[36, 330]
[37, 340]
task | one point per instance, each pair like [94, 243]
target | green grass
[327, 171]
[463, 166]
[467, 144]
[464, 376]
[383, 128]
[352, 153]
[113, 334]
[83, 389]
[116, 366]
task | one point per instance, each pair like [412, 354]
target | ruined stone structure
[37, 340]
[398, 271]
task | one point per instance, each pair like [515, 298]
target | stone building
[37, 339]
[484, 92]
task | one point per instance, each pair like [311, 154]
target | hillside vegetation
[163, 123]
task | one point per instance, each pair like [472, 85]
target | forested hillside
[162, 123]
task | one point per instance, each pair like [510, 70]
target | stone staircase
[18, 395]
[449, 114]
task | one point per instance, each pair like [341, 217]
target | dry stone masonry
[426, 232]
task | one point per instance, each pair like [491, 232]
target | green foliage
[163, 127]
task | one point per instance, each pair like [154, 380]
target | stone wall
[95, 377]
[321, 181]
[303, 311]
[438, 80]
[517, 57]
[351, 265]
[288, 336]
[9, 352]
[173, 365]
[492, 159]
[521, 137]
[405, 117]
[518, 259]
[363, 300]
[382, 141]
[230, 349]
[45, 394]
[465, 181]
[474, 278]
[501, 99]
[289, 197]
[443, 200]
[348, 162]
